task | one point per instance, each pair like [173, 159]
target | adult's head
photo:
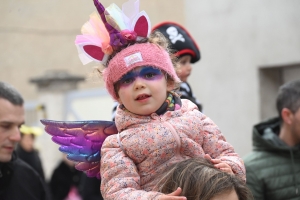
[183, 45]
[11, 118]
[28, 134]
[288, 107]
[199, 179]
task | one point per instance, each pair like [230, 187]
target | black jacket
[90, 188]
[62, 179]
[19, 181]
[186, 92]
[31, 158]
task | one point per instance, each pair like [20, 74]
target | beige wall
[236, 39]
[38, 35]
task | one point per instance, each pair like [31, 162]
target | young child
[215, 184]
[155, 128]
[187, 52]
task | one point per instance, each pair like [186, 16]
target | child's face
[185, 68]
[143, 90]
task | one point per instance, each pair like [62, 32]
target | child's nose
[189, 67]
[138, 83]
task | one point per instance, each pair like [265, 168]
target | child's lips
[142, 97]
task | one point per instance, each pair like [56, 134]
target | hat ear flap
[141, 25]
[90, 52]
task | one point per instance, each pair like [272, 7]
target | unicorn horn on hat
[114, 30]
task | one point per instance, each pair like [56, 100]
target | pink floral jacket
[147, 145]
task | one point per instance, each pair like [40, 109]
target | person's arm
[254, 184]
[214, 144]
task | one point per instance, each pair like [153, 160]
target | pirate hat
[180, 39]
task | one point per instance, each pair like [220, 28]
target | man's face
[11, 118]
[295, 127]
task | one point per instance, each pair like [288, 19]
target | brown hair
[288, 97]
[200, 180]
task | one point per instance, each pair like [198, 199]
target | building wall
[38, 35]
[236, 39]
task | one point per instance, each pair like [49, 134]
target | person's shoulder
[248, 158]
[188, 105]
[18, 162]
[21, 166]
[184, 86]
[26, 181]
[111, 141]
[257, 159]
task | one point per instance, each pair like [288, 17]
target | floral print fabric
[150, 144]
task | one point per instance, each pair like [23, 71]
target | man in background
[17, 179]
[273, 168]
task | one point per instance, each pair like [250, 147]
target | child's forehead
[141, 71]
[144, 68]
[185, 57]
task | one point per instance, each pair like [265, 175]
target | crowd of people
[272, 169]
[165, 147]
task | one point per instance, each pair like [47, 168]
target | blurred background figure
[17, 179]
[26, 151]
[65, 180]
[273, 168]
[186, 50]
[90, 188]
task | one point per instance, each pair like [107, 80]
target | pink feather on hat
[113, 28]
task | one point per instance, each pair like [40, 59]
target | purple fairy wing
[81, 141]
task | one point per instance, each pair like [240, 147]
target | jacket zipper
[176, 136]
[293, 167]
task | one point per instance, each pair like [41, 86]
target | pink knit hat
[135, 56]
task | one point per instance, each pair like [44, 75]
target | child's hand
[219, 164]
[172, 196]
